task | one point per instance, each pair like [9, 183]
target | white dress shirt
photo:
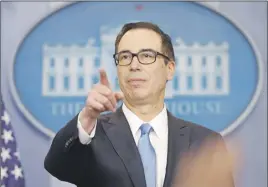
[158, 137]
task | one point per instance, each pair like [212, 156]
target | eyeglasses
[145, 56]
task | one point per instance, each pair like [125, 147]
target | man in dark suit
[141, 143]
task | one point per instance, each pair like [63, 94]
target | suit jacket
[112, 158]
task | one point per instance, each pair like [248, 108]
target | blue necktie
[147, 154]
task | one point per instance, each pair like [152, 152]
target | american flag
[12, 174]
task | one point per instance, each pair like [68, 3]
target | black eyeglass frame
[115, 56]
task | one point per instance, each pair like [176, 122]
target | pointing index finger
[103, 78]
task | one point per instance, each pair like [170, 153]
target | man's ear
[170, 70]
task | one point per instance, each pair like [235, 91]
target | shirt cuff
[84, 137]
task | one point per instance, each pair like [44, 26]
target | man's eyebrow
[147, 49]
[141, 50]
[125, 50]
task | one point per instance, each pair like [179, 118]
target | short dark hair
[167, 47]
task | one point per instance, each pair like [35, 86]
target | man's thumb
[119, 96]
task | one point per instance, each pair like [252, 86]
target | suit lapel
[178, 141]
[118, 131]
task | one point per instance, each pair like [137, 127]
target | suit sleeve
[68, 159]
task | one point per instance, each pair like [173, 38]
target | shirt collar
[159, 123]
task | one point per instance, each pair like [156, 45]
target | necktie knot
[145, 128]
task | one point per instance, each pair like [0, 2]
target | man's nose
[135, 64]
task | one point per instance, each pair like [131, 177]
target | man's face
[140, 82]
